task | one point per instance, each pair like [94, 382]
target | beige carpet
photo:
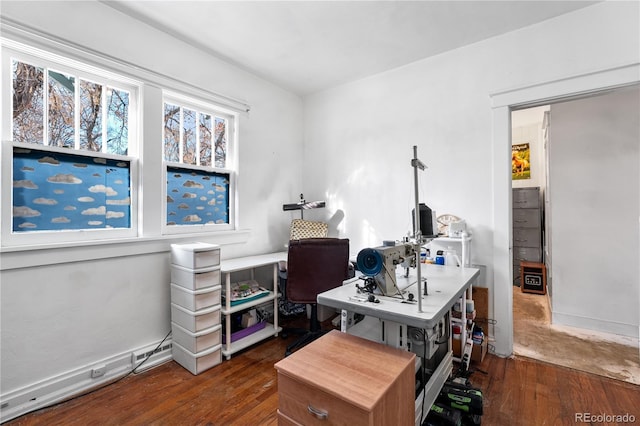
[613, 356]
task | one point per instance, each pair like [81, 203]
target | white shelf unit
[442, 243]
[465, 257]
[229, 266]
[465, 332]
[195, 305]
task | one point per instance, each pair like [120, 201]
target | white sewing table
[445, 285]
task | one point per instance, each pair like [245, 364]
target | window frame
[81, 71]
[207, 107]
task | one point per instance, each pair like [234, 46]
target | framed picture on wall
[520, 165]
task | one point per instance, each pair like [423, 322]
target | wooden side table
[344, 379]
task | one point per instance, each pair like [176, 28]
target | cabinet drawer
[197, 299]
[532, 254]
[195, 255]
[526, 198]
[526, 237]
[196, 342]
[284, 420]
[526, 218]
[296, 400]
[196, 363]
[195, 321]
[195, 280]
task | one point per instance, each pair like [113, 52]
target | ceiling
[308, 46]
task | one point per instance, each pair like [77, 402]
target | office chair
[299, 229]
[315, 265]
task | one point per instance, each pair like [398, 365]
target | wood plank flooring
[243, 391]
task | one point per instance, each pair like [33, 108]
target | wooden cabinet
[344, 379]
[527, 228]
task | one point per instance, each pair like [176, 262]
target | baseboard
[72, 383]
[595, 324]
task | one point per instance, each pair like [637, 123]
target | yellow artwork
[520, 166]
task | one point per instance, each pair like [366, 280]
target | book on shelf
[245, 291]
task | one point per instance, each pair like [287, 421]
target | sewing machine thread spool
[369, 262]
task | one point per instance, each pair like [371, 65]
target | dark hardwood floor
[243, 391]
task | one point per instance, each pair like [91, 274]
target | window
[46, 102]
[199, 186]
[70, 146]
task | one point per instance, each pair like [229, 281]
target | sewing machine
[379, 266]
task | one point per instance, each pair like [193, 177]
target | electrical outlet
[98, 371]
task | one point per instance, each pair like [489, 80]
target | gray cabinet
[527, 228]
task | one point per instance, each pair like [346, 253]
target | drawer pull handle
[320, 414]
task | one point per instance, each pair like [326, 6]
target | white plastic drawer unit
[194, 300]
[195, 279]
[195, 321]
[199, 341]
[196, 363]
[195, 255]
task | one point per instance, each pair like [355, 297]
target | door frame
[503, 103]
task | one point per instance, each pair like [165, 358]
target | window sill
[28, 256]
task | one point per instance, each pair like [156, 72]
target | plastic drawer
[196, 363]
[195, 321]
[195, 255]
[195, 279]
[194, 300]
[199, 341]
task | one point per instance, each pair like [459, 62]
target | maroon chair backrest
[315, 265]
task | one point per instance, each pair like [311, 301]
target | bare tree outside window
[61, 110]
[221, 142]
[189, 147]
[90, 116]
[30, 123]
[203, 140]
[171, 132]
[117, 121]
[204, 129]
[28, 109]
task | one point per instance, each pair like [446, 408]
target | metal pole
[415, 163]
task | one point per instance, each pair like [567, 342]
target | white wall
[358, 136]
[64, 309]
[594, 147]
[526, 127]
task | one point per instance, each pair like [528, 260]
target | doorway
[561, 334]
[502, 105]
